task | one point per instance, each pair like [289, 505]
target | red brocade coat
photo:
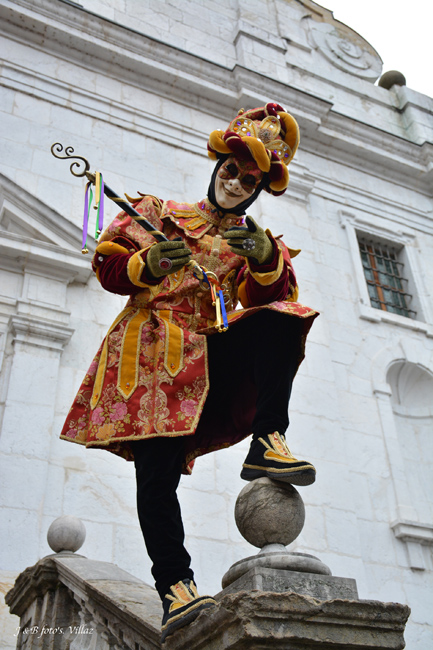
[150, 376]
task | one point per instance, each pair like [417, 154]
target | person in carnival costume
[164, 387]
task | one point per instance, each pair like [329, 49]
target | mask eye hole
[232, 170]
[249, 182]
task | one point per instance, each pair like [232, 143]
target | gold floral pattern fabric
[131, 391]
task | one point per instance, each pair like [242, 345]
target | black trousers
[269, 344]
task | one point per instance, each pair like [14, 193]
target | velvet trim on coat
[150, 376]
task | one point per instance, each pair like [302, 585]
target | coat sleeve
[266, 283]
[122, 272]
[120, 261]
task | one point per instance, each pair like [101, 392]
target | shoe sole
[300, 477]
[188, 618]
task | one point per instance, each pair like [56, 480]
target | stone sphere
[391, 78]
[269, 512]
[66, 533]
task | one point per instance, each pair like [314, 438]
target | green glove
[251, 241]
[166, 257]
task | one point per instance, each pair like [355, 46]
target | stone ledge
[65, 589]
[413, 531]
[257, 620]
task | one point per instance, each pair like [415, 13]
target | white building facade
[136, 86]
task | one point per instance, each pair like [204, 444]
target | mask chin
[240, 208]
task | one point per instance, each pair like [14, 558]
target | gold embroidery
[195, 223]
[214, 252]
[102, 366]
[162, 406]
[174, 344]
[176, 279]
[206, 215]
[170, 434]
[179, 217]
[127, 374]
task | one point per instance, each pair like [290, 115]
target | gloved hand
[167, 257]
[251, 241]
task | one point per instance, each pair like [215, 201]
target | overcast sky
[402, 34]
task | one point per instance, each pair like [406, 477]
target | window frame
[364, 227]
[393, 284]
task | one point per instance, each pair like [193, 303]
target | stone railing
[68, 602]
[78, 604]
[275, 599]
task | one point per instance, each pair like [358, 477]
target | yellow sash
[127, 378]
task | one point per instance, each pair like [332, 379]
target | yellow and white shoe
[270, 456]
[181, 606]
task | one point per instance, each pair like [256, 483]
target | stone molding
[406, 218]
[280, 561]
[156, 66]
[106, 109]
[426, 412]
[41, 241]
[47, 260]
[37, 243]
[42, 246]
[412, 531]
[133, 55]
[35, 216]
[415, 535]
[387, 156]
[48, 335]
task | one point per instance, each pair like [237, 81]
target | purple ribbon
[87, 203]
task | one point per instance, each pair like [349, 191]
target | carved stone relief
[345, 49]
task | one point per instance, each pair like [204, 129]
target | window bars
[385, 282]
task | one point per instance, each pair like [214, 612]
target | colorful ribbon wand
[207, 279]
[77, 169]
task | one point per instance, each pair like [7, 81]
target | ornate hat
[267, 134]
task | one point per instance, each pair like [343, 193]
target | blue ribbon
[223, 308]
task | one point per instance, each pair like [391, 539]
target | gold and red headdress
[267, 134]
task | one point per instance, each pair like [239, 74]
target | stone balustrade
[68, 602]
[272, 600]
[80, 604]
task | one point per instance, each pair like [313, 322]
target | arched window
[412, 404]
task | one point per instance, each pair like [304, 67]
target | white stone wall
[136, 87]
